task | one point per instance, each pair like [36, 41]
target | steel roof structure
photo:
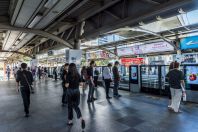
[64, 18]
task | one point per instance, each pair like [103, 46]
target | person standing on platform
[64, 76]
[55, 73]
[15, 71]
[84, 78]
[177, 84]
[107, 79]
[39, 72]
[116, 79]
[96, 75]
[91, 82]
[8, 70]
[73, 81]
[24, 80]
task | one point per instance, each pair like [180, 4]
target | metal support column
[79, 31]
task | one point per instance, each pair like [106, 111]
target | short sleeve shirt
[73, 83]
[23, 80]
[90, 72]
[175, 76]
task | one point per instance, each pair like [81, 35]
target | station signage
[132, 61]
[189, 43]
[145, 49]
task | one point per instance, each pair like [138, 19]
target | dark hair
[73, 71]
[174, 65]
[92, 62]
[116, 63]
[23, 65]
[109, 65]
[66, 64]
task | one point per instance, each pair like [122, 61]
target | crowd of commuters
[72, 79]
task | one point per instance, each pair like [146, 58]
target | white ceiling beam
[36, 32]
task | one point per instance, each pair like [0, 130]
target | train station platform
[130, 113]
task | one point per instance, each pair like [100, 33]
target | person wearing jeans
[176, 81]
[107, 79]
[116, 79]
[91, 82]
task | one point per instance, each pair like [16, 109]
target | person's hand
[17, 89]
[183, 93]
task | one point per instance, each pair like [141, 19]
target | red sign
[132, 61]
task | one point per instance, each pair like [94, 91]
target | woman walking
[177, 84]
[72, 83]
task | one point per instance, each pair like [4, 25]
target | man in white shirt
[107, 79]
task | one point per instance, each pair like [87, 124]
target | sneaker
[70, 123]
[27, 115]
[94, 99]
[89, 101]
[108, 97]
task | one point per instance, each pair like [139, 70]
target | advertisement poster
[132, 61]
[34, 63]
[99, 54]
[189, 43]
[1, 71]
[192, 74]
[189, 58]
[134, 73]
[145, 48]
[74, 56]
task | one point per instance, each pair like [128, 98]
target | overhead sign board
[189, 43]
[132, 61]
[145, 48]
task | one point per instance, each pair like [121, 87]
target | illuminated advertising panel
[189, 43]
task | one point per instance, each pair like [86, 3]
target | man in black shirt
[24, 80]
[177, 84]
[91, 82]
[116, 79]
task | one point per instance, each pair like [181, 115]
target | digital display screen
[134, 73]
[192, 74]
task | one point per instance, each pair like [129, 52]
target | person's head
[174, 65]
[92, 63]
[109, 65]
[116, 63]
[66, 66]
[23, 66]
[84, 68]
[73, 71]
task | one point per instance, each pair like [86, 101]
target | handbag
[30, 87]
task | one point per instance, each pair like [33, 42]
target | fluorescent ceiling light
[22, 36]
[35, 21]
